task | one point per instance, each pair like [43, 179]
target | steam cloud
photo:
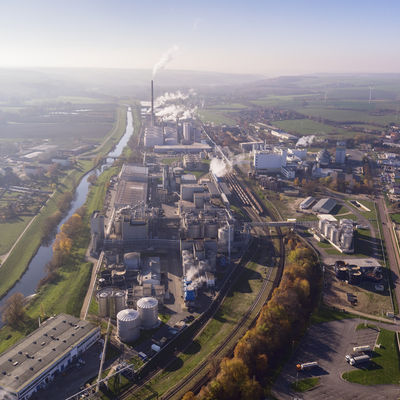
[305, 141]
[218, 167]
[165, 59]
[172, 105]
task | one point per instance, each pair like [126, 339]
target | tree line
[281, 322]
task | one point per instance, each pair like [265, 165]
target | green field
[308, 127]
[384, 367]
[9, 232]
[305, 384]
[216, 117]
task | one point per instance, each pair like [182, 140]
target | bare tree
[14, 310]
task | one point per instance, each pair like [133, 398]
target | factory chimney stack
[152, 102]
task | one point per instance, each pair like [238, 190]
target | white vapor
[218, 167]
[173, 105]
[165, 59]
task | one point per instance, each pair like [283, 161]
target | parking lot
[328, 343]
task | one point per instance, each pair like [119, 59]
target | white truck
[359, 349]
[308, 365]
[355, 360]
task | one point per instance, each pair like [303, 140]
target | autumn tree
[14, 310]
[61, 248]
[72, 226]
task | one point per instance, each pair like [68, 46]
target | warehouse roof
[131, 172]
[325, 206]
[130, 193]
[31, 356]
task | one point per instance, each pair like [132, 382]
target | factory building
[193, 162]
[340, 156]
[187, 132]
[283, 135]
[270, 160]
[298, 153]
[34, 361]
[288, 172]
[324, 206]
[153, 136]
[170, 136]
[183, 148]
[323, 158]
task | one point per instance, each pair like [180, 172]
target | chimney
[152, 102]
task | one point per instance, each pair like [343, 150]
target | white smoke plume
[173, 111]
[165, 59]
[218, 167]
[172, 105]
[197, 274]
[305, 141]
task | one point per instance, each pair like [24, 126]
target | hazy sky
[267, 37]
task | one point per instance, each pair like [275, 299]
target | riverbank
[28, 244]
[67, 293]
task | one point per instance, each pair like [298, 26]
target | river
[36, 270]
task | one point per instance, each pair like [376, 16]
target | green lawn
[384, 367]
[305, 384]
[9, 232]
[324, 314]
[395, 218]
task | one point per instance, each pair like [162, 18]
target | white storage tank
[103, 297]
[128, 325]
[119, 302]
[148, 310]
[132, 261]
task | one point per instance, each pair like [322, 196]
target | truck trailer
[359, 349]
[357, 359]
[305, 366]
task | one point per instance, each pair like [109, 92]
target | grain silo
[128, 325]
[148, 310]
[119, 302]
[103, 297]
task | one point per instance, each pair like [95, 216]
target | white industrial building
[270, 160]
[283, 135]
[33, 362]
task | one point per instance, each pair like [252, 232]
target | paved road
[391, 248]
[328, 343]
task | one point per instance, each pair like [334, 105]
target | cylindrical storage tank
[195, 230]
[119, 301]
[128, 325]
[103, 304]
[148, 310]
[132, 261]
[104, 299]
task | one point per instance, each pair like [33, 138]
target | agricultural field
[64, 124]
[218, 117]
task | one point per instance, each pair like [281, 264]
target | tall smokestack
[152, 102]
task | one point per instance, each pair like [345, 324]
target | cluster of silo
[148, 311]
[128, 325]
[339, 234]
[111, 302]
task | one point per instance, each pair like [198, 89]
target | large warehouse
[34, 361]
